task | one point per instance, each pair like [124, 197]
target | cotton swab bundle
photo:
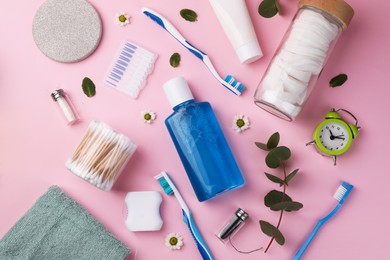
[101, 155]
[287, 81]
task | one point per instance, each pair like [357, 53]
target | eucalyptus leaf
[262, 146]
[88, 87]
[274, 197]
[272, 160]
[282, 152]
[287, 205]
[189, 15]
[338, 80]
[290, 176]
[272, 231]
[175, 60]
[268, 8]
[273, 141]
[275, 179]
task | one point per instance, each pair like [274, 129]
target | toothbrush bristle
[343, 191]
[233, 82]
[164, 184]
[340, 193]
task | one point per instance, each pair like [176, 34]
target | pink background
[36, 142]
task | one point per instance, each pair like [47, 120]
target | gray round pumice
[67, 30]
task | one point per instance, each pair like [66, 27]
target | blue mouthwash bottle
[200, 143]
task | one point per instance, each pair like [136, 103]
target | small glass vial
[233, 225]
[301, 56]
[66, 106]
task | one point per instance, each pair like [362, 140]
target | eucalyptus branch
[277, 200]
[281, 212]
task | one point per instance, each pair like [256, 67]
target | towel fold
[57, 227]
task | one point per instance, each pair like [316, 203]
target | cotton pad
[143, 211]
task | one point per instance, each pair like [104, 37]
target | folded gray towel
[57, 227]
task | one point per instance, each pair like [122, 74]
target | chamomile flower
[122, 19]
[148, 116]
[240, 123]
[174, 241]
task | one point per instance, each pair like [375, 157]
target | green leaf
[275, 179]
[262, 146]
[88, 87]
[273, 141]
[276, 155]
[290, 176]
[287, 206]
[175, 60]
[188, 15]
[272, 231]
[282, 152]
[272, 160]
[338, 80]
[268, 8]
[274, 197]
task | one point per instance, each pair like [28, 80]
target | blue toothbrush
[170, 188]
[229, 82]
[340, 195]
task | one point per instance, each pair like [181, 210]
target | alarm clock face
[334, 138]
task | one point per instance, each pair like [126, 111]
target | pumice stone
[67, 30]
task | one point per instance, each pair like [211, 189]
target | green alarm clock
[334, 136]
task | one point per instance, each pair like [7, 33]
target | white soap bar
[143, 211]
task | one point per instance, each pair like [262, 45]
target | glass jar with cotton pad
[301, 56]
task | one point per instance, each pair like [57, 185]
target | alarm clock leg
[334, 160]
[311, 142]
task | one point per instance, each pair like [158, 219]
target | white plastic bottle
[235, 20]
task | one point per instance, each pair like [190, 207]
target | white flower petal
[245, 119]
[179, 243]
[127, 21]
[152, 116]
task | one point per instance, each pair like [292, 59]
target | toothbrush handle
[315, 230]
[163, 22]
[309, 239]
[202, 247]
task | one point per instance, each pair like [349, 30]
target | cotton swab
[101, 155]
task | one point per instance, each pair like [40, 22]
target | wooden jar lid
[337, 8]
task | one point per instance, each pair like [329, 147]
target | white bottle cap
[249, 52]
[177, 91]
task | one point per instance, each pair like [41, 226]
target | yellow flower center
[147, 116]
[122, 18]
[240, 123]
[173, 241]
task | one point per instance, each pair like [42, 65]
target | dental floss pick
[233, 225]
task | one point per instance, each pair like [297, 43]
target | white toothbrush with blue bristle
[229, 82]
[340, 195]
[170, 188]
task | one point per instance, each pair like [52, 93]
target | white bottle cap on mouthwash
[177, 91]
